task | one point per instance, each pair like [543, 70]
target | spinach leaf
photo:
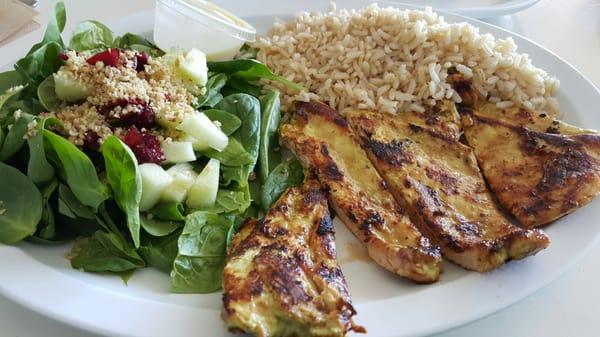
[40, 64]
[15, 138]
[125, 180]
[247, 108]
[161, 252]
[20, 205]
[39, 169]
[216, 81]
[69, 205]
[168, 211]
[47, 226]
[90, 35]
[104, 252]
[156, 227]
[137, 42]
[77, 168]
[229, 122]
[237, 85]
[231, 201]
[250, 70]
[233, 155]
[284, 175]
[9, 79]
[270, 117]
[47, 94]
[198, 267]
[56, 25]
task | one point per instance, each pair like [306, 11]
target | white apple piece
[154, 181]
[204, 191]
[201, 128]
[178, 152]
[199, 145]
[183, 178]
[192, 66]
[68, 88]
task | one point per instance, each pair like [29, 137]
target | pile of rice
[396, 60]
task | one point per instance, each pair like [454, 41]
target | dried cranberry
[63, 55]
[168, 97]
[91, 140]
[140, 60]
[144, 145]
[109, 57]
[131, 111]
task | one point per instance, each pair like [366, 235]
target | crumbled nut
[17, 114]
[32, 130]
[166, 93]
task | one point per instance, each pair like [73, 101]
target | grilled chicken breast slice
[437, 179]
[325, 144]
[540, 169]
[282, 277]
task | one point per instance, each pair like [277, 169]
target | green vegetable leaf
[286, 174]
[125, 180]
[39, 169]
[56, 25]
[247, 108]
[47, 94]
[215, 83]
[15, 138]
[168, 211]
[20, 205]
[104, 252]
[47, 226]
[250, 70]
[69, 205]
[229, 122]
[233, 155]
[137, 42]
[40, 64]
[202, 246]
[270, 117]
[156, 227]
[77, 168]
[9, 79]
[90, 35]
[161, 252]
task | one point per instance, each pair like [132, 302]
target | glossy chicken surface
[438, 181]
[282, 277]
[539, 168]
[325, 144]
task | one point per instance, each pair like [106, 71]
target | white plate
[40, 277]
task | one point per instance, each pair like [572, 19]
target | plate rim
[86, 324]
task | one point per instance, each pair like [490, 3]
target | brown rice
[395, 60]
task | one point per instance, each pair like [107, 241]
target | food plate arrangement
[386, 304]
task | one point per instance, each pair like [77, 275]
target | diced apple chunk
[154, 181]
[68, 88]
[203, 192]
[183, 178]
[178, 152]
[201, 128]
[192, 66]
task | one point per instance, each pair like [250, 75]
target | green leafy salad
[140, 157]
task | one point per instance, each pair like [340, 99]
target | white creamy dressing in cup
[187, 24]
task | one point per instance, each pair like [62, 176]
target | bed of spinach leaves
[51, 191]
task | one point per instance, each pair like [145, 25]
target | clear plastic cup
[200, 24]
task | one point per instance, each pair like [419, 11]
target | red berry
[63, 55]
[109, 57]
[144, 145]
[91, 140]
[133, 111]
[140, 60]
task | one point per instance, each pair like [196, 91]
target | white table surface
[567, 307]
